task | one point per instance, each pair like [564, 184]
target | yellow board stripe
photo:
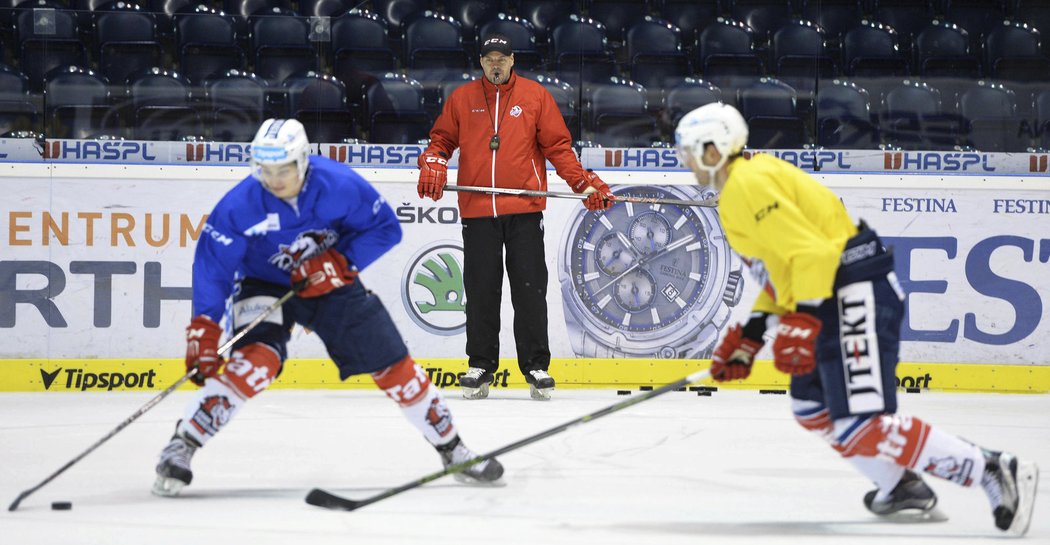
[65, 375]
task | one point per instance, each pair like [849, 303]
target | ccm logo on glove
[794, 350]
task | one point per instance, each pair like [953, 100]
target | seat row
[162, 105]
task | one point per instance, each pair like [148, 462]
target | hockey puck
[61, 505]
[645, 388]
[703, 393]
[772, 391]
[623, 392]
[912, 390]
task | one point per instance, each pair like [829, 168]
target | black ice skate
[485, 471]
[541, 384]
[1010, 485]
[911, 495]
[173, 470]
[475, 383]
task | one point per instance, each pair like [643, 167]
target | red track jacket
[530, 129]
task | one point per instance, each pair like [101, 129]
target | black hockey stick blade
[321, 498]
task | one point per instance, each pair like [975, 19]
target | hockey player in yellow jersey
[833, 307]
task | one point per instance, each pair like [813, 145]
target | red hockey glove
[794, 350]
[433, 175]
[202, 348]
[600, 197]
[733, 358]
[322, 274]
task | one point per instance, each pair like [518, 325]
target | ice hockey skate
[912, 500]
[173, 470]
[484, 472]
[541, 384]
[1013, 484]
[475, 383]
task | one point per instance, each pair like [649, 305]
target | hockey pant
[359, 336]
[850, 399]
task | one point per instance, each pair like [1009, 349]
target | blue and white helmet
[715, 123]
[280, 141]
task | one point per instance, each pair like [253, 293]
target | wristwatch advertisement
[647, 280]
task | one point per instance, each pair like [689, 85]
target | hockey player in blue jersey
[310, 222]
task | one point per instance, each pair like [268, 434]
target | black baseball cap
[496, 42]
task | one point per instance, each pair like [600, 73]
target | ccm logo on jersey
[761, 214]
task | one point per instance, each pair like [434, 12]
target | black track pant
[483, 242]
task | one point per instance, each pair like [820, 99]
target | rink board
[97, 375]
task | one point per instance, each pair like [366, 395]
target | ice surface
[730, 468]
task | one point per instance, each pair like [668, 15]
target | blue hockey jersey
[253, 234]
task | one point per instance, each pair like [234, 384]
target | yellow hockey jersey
[774, 212]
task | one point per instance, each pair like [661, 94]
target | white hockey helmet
[278, 142]
[716, 123]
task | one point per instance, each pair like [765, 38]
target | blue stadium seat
[726, 54]
[281, 45]
[764, 17]
[397, 12]
[565, 96]
[617, 15]
[990, 109]
[843, 113]
[907, 17]
[618, 115]
[1036, 14]
[686, 96]
[872, 50]
[394, 111]
[771, 110]
[800, 58]
[976, 16]
[238, 105]
[522, 36]
[691, 16]
[325, 8]
[78, 104]
[17, 111]
[471, 14]
[127, 41]
[360, 50]
[165, 12]
[656, 57]
[544, 16]
[434, 41]
[161, 107]
[1012, 52]
[943, 49]
[1041, 115]
[580, 52]
[835, 17]
[206, 44]
[912, 118]
[47, 39]
[320, 103]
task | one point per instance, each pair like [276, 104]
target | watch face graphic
[646, 279]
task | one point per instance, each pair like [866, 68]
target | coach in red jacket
[506, 128]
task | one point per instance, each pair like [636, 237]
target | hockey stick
[328, 500]
[709, 203]
[157, 399]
